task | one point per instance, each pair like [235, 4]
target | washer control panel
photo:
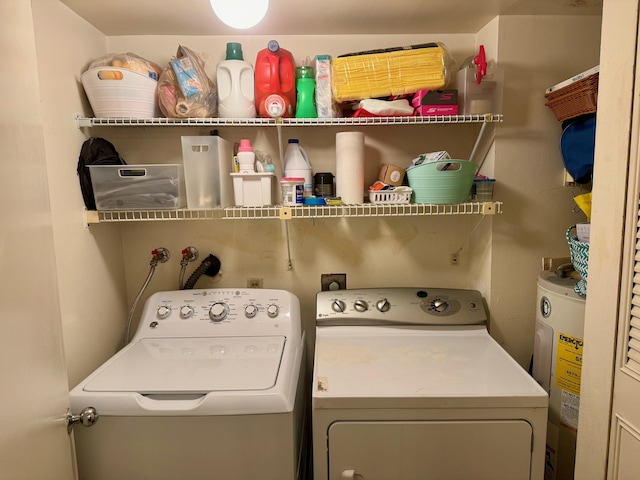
[223, 311]
[400, 305]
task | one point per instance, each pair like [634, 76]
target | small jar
[292, 190]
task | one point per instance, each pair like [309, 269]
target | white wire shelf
[82, 121]
[290, 213]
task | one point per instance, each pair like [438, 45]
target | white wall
[501, 257]
[89, 260]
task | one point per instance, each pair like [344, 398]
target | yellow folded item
[395, 71]
[584, 203]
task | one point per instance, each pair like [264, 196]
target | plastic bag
[128, 61]
[184, 88]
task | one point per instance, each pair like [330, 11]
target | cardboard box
[391, 174]
[435, 102]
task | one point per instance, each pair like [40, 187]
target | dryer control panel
[220, 311]
[400, 306]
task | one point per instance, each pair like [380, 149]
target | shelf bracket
[91, 217]
[82, 121]
[489, 208]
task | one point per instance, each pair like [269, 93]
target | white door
[34, 444]
[624, 441]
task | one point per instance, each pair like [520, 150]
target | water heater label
[569, 363]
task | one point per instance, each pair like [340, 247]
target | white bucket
[118, 92]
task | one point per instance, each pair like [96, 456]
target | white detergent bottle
[296, 164]
[235, 81]
[246, 157]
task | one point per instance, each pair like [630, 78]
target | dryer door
[482, 450]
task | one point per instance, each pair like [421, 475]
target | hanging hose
[159, 255]
[210, 266]
[189, 254]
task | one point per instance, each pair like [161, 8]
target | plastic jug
[246, 157]
[275, 82]
[235, 79]
[306, 92]
[296, 164]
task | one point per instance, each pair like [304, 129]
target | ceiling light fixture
[240, 14]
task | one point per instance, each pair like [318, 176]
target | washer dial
[218, 311]
[163, 312]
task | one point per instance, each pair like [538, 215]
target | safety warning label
[569, 363]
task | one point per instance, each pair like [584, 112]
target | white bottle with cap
[246, 157]
[296, 164]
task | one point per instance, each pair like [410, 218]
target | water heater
[557, 367]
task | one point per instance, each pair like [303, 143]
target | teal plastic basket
[442, 182]
[580, 259]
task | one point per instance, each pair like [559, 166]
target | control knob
[440, 306]
[186, 311]
[250, 311]
[218, 312]
[383, 305]
[360, 306]
[273, 310]
[338, 306]
[163, 312]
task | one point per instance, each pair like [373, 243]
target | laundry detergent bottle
[275, 82]
[296, 164]
[306, 92]
[235, 80]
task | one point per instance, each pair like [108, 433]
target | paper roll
[350, 167]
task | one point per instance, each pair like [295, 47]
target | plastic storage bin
[138, 187]
[482, 98]
[385, 196]
[442, 182]
[253, 189]
[207, 164]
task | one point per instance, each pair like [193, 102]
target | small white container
[292, 190]
[253, 189]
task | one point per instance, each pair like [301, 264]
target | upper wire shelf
[82, 121]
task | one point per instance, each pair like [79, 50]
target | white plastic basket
[389, 196]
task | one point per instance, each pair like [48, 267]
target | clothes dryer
[210, 387]
[557, 366]
[409, 384]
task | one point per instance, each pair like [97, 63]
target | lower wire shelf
[292, 212]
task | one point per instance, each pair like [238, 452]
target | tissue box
[435, 102]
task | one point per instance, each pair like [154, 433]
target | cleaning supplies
[235, 79]
[246, 157]
[275, 82]
[297, 165]
[306, 89]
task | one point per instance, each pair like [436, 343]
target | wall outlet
[333, 281]
[254, 283]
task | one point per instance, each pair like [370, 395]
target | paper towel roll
[350, 167]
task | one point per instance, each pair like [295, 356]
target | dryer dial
[383, 305]
[338, 306]
[360, 306]
[218, 311]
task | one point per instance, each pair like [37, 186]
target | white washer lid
[426, 364]
[192, 365]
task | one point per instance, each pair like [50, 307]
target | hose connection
[160, 255]
[189, 254]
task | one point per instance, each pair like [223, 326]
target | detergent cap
[245, 146]
[294, 140]
[234, 51]
[273, 46]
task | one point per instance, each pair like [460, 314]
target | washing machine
[557, 366]
[408, 383]
[210, 387]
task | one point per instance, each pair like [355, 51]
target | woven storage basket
[578, 98]
[580, 258]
